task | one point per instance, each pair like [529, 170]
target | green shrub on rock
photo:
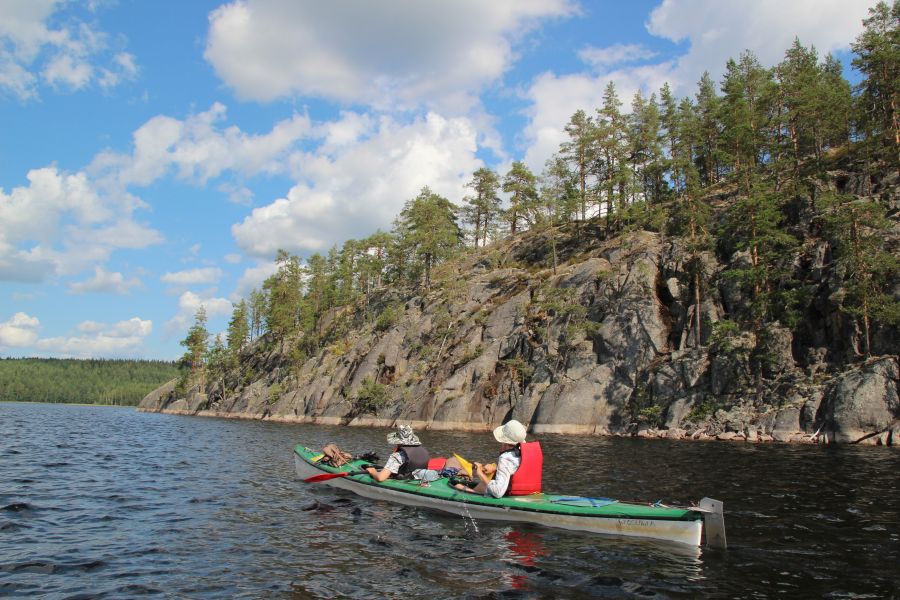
[371, 396]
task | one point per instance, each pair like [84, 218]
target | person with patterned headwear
[409, 455]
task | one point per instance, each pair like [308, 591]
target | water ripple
[127, 504]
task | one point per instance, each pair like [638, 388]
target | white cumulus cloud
[105, 282]
[19, 331]
[133, 327]
[188, 305]
[95, 340]
[45, 40]
[253, 278]
[59, 223]
[124, 69]
[204, 275]
[92, 340]
[720, 29]
[361, 187]
[376, 53]
[615, 54]
[198, 148]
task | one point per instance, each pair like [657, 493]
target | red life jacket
[527, 478]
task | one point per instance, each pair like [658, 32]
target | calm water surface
[109, 502]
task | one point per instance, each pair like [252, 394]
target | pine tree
[430, 230]
[692, 213]
[878, 59]
[399, 253]
[257, 308]
[745, 116]
[707, 111]
[798, 76]
[283, 292]
[669, 121]
[520, 183]
[346, 288]
[372, 261]
[484, 206]
[834, 106]
[654, 163]
[238, 328]
[579, 152]
[612, 150]
[332, 272]
[378, 245]
[218, 359]
[869, 271]
[558, 198]
[318, 285]
[644, 150]
[755, 224]
[196, 343]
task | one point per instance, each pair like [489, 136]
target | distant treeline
[120, 382]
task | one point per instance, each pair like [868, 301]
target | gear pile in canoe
[686, 525]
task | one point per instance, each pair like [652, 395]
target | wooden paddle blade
[324, 477]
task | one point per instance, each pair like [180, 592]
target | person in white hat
[510, 435]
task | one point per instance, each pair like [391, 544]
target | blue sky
[154, 156]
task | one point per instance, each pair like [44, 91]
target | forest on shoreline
[77, 381]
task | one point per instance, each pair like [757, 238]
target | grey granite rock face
[776, 346]
[861, 404]
[787, 424]
[730, 369]
[604, 345]
[161, 397]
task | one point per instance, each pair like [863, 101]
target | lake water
[109, 502]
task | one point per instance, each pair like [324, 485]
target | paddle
[466, 465]
[327, 476]
[469, 468]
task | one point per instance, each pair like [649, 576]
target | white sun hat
[511, 432]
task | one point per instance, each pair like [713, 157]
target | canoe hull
[683, 532]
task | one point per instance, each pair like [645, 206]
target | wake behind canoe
[597, 515]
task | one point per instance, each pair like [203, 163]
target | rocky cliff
[604, 344]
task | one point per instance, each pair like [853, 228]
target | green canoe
[597, 515]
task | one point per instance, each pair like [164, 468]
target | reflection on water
[525, 548]
[113, 503]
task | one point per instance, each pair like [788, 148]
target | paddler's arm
[506, 466]
[484, 472]
[378, 476]
[391, 467]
